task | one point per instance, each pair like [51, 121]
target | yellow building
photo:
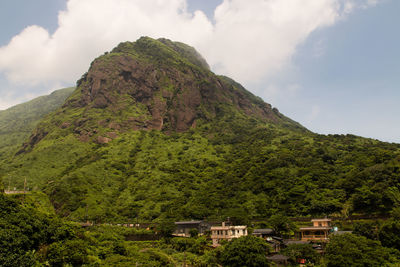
[318, 232]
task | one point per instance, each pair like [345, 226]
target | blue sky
[342, 76]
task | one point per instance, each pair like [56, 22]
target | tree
[353, 250]
[301, 251]
[281, 224]
[72, 252]
[166, 227]
[193, 232]
[389, 234]
[245, 251]
[367, 229]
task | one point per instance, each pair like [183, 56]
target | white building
[223, 232]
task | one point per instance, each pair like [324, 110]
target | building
[183, 228]
[268, 235]
[263, 233]
[226, 232]
[279, 260]
[318, 232]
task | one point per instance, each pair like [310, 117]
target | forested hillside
[17, 123]
[151, 133]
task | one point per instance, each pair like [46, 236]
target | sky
[331, 65]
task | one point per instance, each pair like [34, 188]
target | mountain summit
[153, 84]
[151, 133]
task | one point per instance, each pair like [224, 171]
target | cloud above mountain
[247, 40]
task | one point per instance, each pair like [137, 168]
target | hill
[150, 133]
[17, 123]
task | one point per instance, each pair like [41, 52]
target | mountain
[149, 85]
[150, 133]
[17, 123]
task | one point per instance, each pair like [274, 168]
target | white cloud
[249, 40]
[315, 111]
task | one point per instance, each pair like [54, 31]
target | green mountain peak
[152, 84]
[150, 133]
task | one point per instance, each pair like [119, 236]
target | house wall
[321, 223]
[219, 233]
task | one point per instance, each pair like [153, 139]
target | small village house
[263, 233]
[226, 232]
[183, 228]
[268, 235]
[319, 231]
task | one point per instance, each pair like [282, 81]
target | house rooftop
[321, 220]
[289, 242]
[263, 231]
[219, 227]
[278, 257]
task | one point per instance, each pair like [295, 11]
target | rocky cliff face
[152, 84]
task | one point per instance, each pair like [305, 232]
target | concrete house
[226, 232]
[183, 228]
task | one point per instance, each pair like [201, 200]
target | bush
[245, 251]
[301, 251]
[389, 234]
[354, 250]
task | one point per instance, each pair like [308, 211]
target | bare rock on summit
[153, 85]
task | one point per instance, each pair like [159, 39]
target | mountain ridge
[17, 122]
[172, 92]
[151, 134]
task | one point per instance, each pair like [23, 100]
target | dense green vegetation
[245, 251]
[121, 149]
[30, 236]
[301, 251]
[148, 175]
[236, 162]
[18, 122]
[353, 250]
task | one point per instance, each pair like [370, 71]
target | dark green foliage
[72, 252]
[353, 250]
[233, 163]
[367, 229]
[194, 232]
[389, 234]
[166, 227]
[193, 245]
[302, 251]
[245, 251]
[281, 224]
[23, 231]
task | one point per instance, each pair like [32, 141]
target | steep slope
[151, 133]
[17, 123]
[149, 85]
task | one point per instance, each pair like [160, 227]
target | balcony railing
[314, 237]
